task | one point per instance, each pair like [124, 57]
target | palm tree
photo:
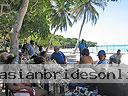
[87, 10]
[59, 17]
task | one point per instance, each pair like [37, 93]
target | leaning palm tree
[59, 17]
[87, 10]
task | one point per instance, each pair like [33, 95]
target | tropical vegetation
[23, 19]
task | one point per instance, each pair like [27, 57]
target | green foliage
[35, 21]
[35, 25]
[58, 14]
[8, 17]
[88, 8]
[6, 22]
[14, 4]
[43, 14]
[90, 43]
[64, 42]
[69, 42]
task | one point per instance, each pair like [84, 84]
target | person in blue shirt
[102, 57]
[58, 56]
[30, 48]
[82, 46]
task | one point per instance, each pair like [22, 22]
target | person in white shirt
[36, 48]
[116, 57]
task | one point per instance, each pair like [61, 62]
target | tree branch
[3, 13]
[34, 5]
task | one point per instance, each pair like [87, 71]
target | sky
[110, 29]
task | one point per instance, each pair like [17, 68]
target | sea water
[109, 48]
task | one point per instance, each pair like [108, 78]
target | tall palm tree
[59, 17]
[87, 10]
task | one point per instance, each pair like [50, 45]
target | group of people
[85, 57]
[27, 51]
[31, 51]
[31, 48]
[37, 53]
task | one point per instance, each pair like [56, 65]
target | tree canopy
[45, 14]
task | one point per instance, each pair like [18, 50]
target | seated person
[26, 88]
[39, 60]
[85, 58]
[115, 58]
[102, 60]
[42, 52]
[102, 57]
[58, 56]
[24, 59]
[3, 56]
[6, 58]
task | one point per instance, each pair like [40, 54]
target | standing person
[116, 57]
[86, 58]
[58, 56]
[82, 45]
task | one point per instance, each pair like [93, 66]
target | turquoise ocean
[109, 48]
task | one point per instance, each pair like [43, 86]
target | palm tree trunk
[80, 31]
[50, 41]
[14, 34]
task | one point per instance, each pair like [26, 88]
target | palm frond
[99, 3]
[69, 21]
